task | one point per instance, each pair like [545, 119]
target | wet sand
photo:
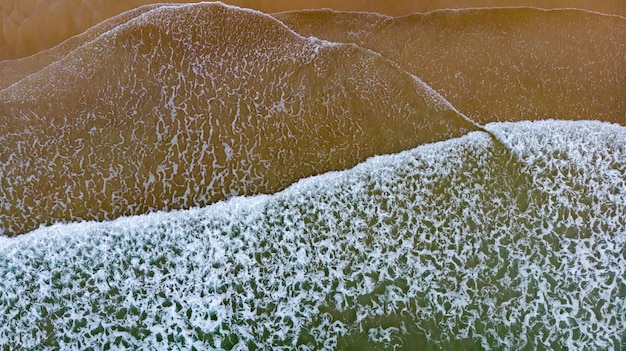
[497, 64]
[159, 114]
[29, 26]
[169, 107]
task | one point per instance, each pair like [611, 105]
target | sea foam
[451, 245]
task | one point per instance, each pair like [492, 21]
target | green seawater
[466, 244]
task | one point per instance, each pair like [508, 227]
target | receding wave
[185, 105]
[35, 25]
[148, 128]
[497, 64]
[12, 71]
[453, 245]
[147, 112]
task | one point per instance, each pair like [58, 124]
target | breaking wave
[452, 245]
[508, 235]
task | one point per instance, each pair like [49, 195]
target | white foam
[446, 243]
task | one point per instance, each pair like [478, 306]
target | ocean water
[132, 156]
[454, 245]
[186, 105]
[174, 106]
[496, 64]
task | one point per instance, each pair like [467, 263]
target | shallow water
[30, 26]
[454, 245]
[159, 114]
[149, 112]
[506, 64]
[502, 236]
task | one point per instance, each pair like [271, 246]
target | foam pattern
[454, 245]
[186, 105]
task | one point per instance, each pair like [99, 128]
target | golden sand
[497, 64]
[13, 70]
[29, 26]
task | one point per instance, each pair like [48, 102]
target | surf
[496, 64]
[442, 247]
[156, 114]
